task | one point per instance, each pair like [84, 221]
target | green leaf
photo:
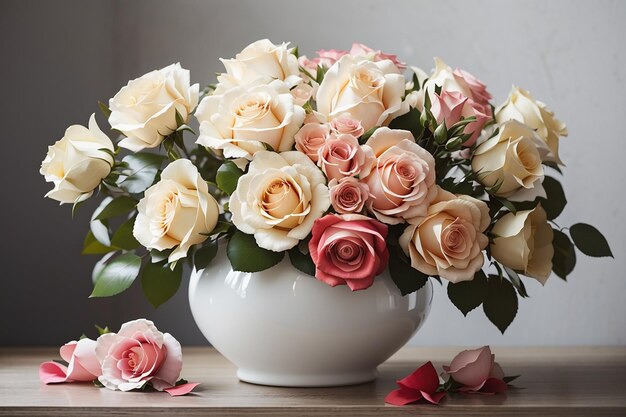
[123, 237]
[100, 228]
[406, 278]
[409, 121]
[589, 240]
[141, 172]
[104, 109]
[246, 256]
[102, 330]
[556, 201]
[467, 295]
[118, 206]
[99, 266]
[227, 176]
[365, 136]
[91, 246]
[160, 282]
[564, 258]
[516, 281]
[117, 275]
[441, 133]
[301, 261]
[500, 306]
[507, 204]
[179, 118]
[509, 379]
[203, 256]
[221, 227]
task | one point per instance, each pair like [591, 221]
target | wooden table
[570, 381]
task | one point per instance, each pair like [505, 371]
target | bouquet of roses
[338, 162]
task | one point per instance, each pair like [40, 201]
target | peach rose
[348, 250]
[346, 125]
[402, 181]
[278, 199]
[82, 364]
[310, 138]
[524, 243]
[368, 91]
[343, 157]
[449, 241]
[139, 353]
[477, 371]
[348, 195]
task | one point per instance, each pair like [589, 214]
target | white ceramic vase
[285, 328]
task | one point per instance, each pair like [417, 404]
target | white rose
[261, 61]
[145, 109]
[367, 91]
[449, 241]
[240, 120]
[511, 162]
[76, 164]
[279, 199]
[177, 212]
[524, 243]
[521, 106]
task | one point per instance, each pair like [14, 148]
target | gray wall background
[59, 58]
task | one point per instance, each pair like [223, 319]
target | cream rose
[402, 180]
[367, 91]
[260, 62]
[523, 242]
[177, 212]
[511, 162]
[279, 198]
[521, 106]
[76, 164]
[239, 121]
[449, 241]
[145, 109]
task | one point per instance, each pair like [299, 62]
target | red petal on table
[181, 389]
[493, 386]
[434, 398]
[52, 373]
[403, 396]
[424, 378]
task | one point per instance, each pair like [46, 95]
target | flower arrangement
[338, 162]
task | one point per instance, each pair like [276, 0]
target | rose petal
[182, 389]
[434, 398]
[425, 379]
[493, 386]
[403, 396]
[52, 372]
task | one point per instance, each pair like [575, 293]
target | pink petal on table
[403, 396]
[181, 389]
[52, 373]
[434, 398]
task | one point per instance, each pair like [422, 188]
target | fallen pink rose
[82, 364]
[477, 371]
[182, 389]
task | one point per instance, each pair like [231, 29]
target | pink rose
[402, 181]
[348, 195]
[358, 49]
[348, 250]
[324, 58]
[343, 157]
[347, 125]
[82, 364]
[310, 138]
[301, 94]
[139, 354]
[450, 107]
[477, 89]
[477, 371]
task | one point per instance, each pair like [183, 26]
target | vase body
[283, 327]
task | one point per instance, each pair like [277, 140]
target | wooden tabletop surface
[567, 381]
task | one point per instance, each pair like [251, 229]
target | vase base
[304, 380]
